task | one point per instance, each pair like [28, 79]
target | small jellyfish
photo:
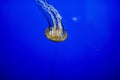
[56, 32]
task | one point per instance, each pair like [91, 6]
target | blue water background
[91, 51]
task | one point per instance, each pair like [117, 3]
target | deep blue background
[91, 51]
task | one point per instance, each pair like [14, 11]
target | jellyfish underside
[56, 34]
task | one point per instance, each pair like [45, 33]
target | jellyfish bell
[56, 34]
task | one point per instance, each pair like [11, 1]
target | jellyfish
[55, 32]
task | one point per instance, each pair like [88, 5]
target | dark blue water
[91, 51]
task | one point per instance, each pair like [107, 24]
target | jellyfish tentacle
[58, 16]
[48, 9]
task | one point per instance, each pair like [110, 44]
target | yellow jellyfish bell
[56, 32]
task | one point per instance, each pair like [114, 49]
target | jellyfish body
[56, 32]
